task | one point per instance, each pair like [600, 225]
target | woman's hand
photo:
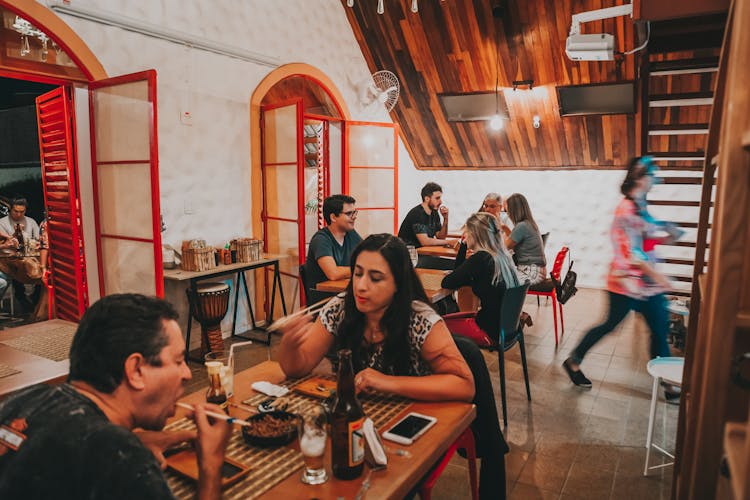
[370, 380]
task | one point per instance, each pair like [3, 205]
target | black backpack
[567, 288]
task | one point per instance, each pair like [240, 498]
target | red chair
[547, 289]
[466, 442]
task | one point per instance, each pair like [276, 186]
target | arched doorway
[297, 112]
[80, 196]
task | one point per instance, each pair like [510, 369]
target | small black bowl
[274, 440]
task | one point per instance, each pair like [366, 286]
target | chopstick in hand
[281, 322]
[213, 414]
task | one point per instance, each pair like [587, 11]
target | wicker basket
[198, 259]
[248, 249]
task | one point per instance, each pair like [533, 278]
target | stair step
[679, 129]
[675, 203]
[684, 99]
[683, 66]
[687, 225]
[679, 168]
[681, 180]
[685, 278]
[683, 262]
[678, 155]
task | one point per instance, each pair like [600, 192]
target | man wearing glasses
[331, 248]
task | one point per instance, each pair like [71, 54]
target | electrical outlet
[186, 118]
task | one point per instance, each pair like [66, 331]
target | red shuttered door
[60, 182]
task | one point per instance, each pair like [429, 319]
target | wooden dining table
[430, 279]
[28, 351]
[402, 473]
[438, 251]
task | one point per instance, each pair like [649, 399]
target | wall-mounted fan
[383, 88]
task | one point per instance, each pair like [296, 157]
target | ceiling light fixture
[520, 83]
[381, 6]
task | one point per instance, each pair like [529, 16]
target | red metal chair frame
[555, 273]
[466, 442]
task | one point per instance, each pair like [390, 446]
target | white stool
[668, 370]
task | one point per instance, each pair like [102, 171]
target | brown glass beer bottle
[347, 435]
[18, 235]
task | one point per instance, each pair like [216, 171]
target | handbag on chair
[567, 288]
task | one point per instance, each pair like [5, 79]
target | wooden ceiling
[450, 47]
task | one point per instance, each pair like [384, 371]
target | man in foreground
[76, 440]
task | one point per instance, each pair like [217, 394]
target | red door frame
[150, 77]
[300, 184]
[345, 173]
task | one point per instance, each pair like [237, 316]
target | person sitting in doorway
[331, 248]
[30, 230]
[422, 226]
[76, 440]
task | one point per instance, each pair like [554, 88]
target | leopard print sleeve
[332, 314]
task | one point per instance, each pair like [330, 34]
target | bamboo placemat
[7, 371]
[268, 466]
[52, 344]
[271, 466]
[381, 408]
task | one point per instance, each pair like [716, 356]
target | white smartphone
[409, 428]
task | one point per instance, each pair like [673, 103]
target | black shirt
[418, 222]
[477, 271]
[73, 451]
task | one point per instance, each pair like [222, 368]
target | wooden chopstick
[213, 414]
[307, 310]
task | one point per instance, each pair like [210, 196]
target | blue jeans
[654, 311]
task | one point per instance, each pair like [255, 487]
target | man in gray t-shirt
[29, 227]
[331, 248]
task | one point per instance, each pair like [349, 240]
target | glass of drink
[226, 359]
[413, 254]
[312, 444]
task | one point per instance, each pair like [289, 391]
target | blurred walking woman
[632, 282]
[525, 240]
[489, 271]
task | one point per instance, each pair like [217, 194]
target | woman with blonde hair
[489, 271]
[525, 240]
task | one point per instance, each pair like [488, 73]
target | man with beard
[422, 226]
[76, 440]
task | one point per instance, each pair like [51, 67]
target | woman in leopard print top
[399, 344]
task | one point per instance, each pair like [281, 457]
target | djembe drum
[210, 305]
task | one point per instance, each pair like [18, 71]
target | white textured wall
[205, 168]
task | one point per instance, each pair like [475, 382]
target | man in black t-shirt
[422, 226]
[76, 440]
[331, 248]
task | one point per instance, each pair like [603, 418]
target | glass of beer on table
[312, 444]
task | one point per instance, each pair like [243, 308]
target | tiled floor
[567, 442]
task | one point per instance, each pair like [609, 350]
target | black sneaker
[576, 376]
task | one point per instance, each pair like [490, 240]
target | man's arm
[444, 227]
[331, 270]
[426, 241]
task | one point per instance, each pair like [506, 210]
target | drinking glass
[226, 359]
[413, 255]
[312, 444]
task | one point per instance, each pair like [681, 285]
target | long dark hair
[519, 210]
[397, 316]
